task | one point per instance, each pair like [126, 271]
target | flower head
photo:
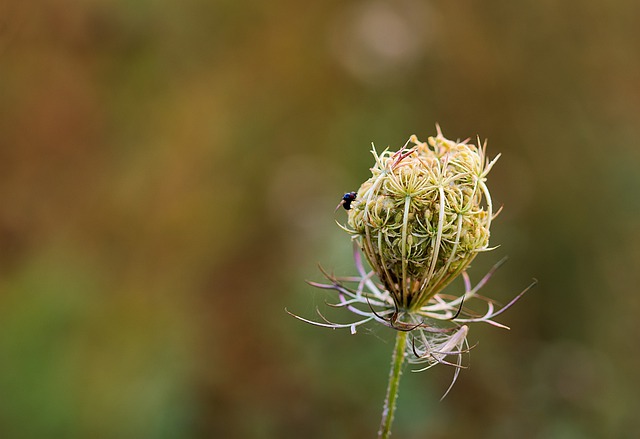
[420, 219]
[423, 216]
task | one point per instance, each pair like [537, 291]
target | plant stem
[394, 383]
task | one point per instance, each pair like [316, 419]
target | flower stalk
[397, 361]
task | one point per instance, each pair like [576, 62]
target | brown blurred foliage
[168, 173]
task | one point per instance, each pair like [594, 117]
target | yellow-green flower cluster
[423, 216]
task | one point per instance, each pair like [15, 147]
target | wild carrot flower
[420, 220]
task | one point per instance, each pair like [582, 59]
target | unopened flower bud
[423, 216]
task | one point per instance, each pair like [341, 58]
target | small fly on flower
[346, 201]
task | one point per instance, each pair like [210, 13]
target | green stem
[394, 383]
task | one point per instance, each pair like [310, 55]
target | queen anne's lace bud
[423, 216]
[420, 219]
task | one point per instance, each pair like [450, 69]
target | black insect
[346, 201]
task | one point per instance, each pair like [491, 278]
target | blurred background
[168, 177]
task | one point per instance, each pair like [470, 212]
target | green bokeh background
[168, 174]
